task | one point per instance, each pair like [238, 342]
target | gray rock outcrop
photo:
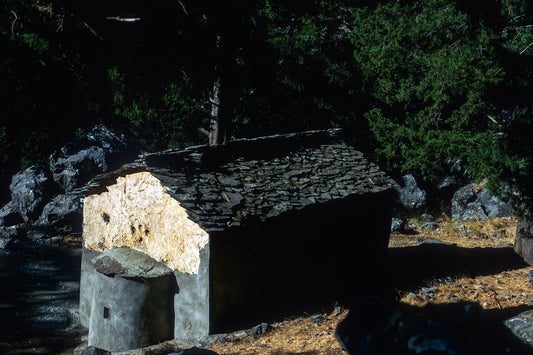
[522, 326]
[409, 195]
[63, 212]
[397, 225]
[8, 216]
[77, 162]
[471, 202]
[30, 191]
[42, 196]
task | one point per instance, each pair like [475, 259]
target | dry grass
[296, 336]
[499, 291]
[494, 232]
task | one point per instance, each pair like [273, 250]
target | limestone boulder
[80, 160]
[409, 195]
[64, 214]
[493, 206]
[8, 216]
[460, 200]
[8, 235]
[472, 202]
[522, 326]
[30, 191]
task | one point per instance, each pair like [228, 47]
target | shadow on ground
[409, 267]
[39, 299]
[378, 324]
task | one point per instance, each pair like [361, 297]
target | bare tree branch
[525, 49]
[204, 131]
[183, 7]
[13, 23]
[60, 18]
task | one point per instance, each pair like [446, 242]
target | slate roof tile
[255, 179]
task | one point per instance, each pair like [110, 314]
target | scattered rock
[260, 330]
[430, 225]
[36, 234]
[461, 198]
[9, 217]
[522, 326]
[474, 210]
[433, 242]
[409, 195]
[469, 202]
[80, 160]
[317, 319]
[429, 290]
[427, 217]
[63, 213]
[6, 236]
[72, 169]
[493, 206]
[30, 191]
[336, 311]
[452, 297]
[397, 225]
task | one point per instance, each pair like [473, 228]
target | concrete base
[131, 301]
[128, 314]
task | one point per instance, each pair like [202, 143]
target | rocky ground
[435, 264]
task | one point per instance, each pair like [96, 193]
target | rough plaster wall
[138, 213]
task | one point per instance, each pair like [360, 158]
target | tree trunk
[523, 245]
[224, 90]
[216, 134]
[221, 97]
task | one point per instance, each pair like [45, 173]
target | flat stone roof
[247, 180]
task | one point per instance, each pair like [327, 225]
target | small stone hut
[253, 222]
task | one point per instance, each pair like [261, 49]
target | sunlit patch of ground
[304, 335]
[506, 289]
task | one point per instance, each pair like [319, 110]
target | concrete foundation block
[132, 301]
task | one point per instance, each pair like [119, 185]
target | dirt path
[39, 299]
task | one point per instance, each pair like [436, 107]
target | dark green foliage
[428, 68]
[316, 80]
[416, 82]
[449, 79]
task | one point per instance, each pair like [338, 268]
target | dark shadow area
[411, 266]
[39, 298]
[381, 326]
[297, 263]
